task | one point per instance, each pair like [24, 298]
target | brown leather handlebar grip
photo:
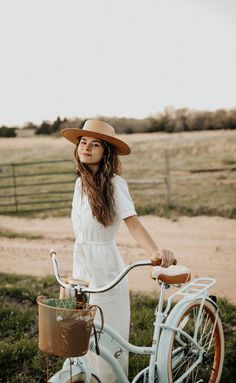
[157, 262]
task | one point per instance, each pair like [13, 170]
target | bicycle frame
[112, 343]
[159, 326]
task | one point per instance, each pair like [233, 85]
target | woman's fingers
[167, 258]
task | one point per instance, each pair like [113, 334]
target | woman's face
[90, 151]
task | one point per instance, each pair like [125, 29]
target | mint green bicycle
[188, 339]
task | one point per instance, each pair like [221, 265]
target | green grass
[5, 233]
[190, 193]
[20, 359]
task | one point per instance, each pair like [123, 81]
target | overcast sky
[86, 58]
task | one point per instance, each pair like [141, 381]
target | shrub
[7, 132]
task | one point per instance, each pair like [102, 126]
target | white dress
[96, 259]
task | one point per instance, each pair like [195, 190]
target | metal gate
[36, 186]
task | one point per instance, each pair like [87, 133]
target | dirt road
[205, 244]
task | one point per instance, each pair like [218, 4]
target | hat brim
[72, 135]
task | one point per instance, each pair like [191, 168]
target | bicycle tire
[182, 353]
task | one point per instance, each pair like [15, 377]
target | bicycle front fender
[77, 370]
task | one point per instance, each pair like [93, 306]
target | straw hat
[97, 129]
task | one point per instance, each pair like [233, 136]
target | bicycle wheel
[183, 353]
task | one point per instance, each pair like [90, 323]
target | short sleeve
[77, 191]
[124, 203]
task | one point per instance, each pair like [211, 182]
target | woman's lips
[85, 154]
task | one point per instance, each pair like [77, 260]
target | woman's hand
[164, 258]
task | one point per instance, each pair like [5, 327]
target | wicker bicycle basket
[64, 329]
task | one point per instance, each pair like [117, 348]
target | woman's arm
[144, 240]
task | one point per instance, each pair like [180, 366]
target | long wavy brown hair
[99, 187]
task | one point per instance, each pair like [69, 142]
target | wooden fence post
[14, 186]
[167, 177]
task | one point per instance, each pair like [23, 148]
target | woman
[101, 200]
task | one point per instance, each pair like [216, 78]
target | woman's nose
[88, 147]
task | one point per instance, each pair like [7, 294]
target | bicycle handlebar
[85, 289]
[119, 277]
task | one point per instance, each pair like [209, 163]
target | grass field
[20, 359]
[211, 193]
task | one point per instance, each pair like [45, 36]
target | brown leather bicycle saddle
[172, 274]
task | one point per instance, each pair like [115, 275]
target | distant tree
[44, 128]
[72, 124]
[55, 127]
[7, 132]
[47, 128]
[231, 119]
[155, 125]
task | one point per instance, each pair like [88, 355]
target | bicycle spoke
[186, 362]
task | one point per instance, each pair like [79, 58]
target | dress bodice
[86, 227]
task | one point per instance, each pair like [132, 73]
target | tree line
[169, 121]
